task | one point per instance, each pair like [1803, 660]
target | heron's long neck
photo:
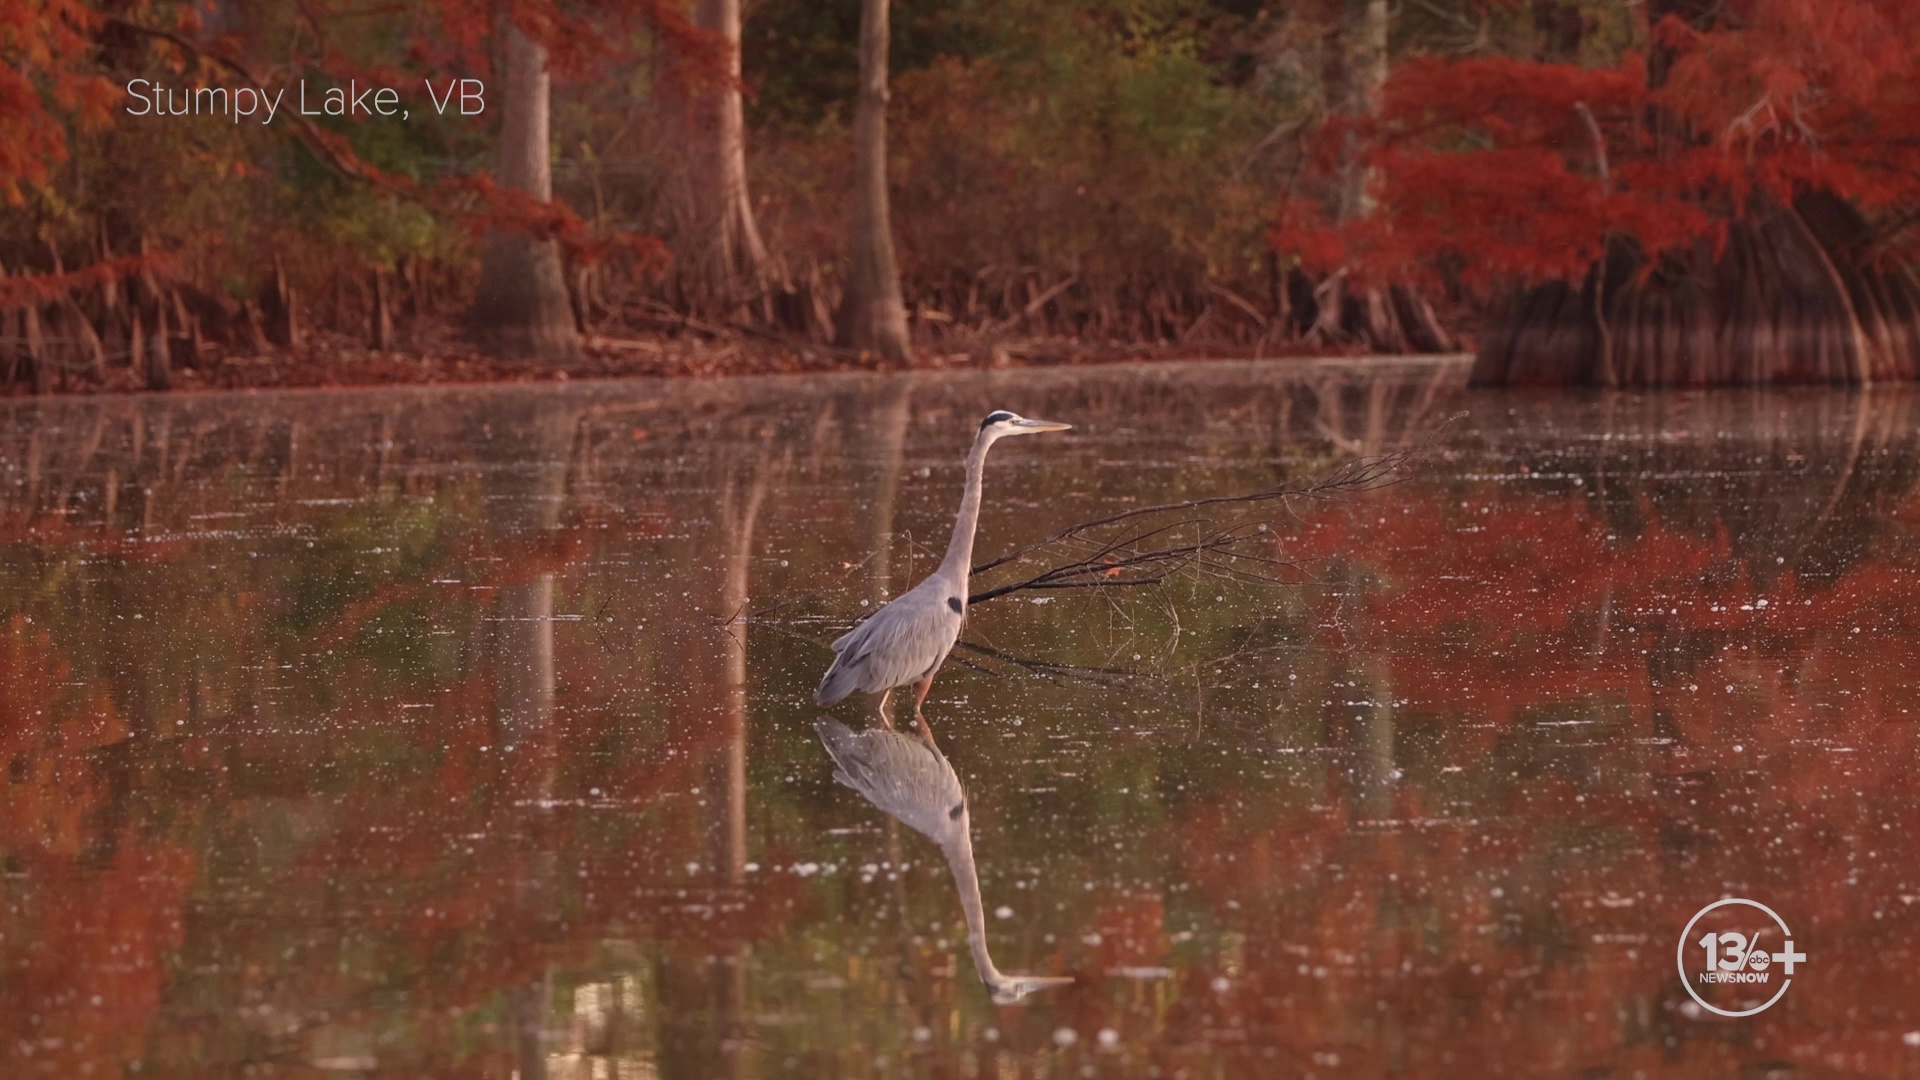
[966, 880]
[959, 558]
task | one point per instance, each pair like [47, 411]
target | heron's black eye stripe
[954, 603]
[954, 814]
[996, 416]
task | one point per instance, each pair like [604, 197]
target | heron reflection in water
[908, 639]
[907, 776]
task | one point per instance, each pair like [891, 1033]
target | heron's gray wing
[849, 754]
[897, 645]
[914, 637]
[901, 774]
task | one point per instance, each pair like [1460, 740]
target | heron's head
[1007, 989]
[1001, 423]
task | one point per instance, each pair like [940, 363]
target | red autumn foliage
[43, 46]
[63, 943]
[52, 78]
[1511, 169]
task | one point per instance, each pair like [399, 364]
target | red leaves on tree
[1304, 230]
[1520, 170]
[43, 49]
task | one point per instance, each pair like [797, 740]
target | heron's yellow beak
[1035, 427]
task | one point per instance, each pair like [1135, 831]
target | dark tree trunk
[159, 373]
[521, 309]
[281, 307]
[136, 339]
[872, 318]
[380, 327]
[187, 349]
[36, 348]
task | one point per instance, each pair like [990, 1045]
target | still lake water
[469, 733]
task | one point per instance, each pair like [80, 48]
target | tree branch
[1088, 555]
[1354, 476]
[1599, 146]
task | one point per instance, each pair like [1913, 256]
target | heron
[908, 777]
[908, 639]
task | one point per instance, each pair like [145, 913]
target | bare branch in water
[1125, 564]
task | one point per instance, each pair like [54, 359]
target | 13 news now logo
[1726, 964]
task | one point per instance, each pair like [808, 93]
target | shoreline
[344, 364]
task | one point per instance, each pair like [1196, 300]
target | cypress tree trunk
[1390, 318]
[380, 325]
[739, 257]
[872, 317]
[1363, 54]
[521, 309]
[159, 371]
[1793, 296]
[278, 304]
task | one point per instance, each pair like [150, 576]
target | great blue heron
[908, 638]
[907, 776]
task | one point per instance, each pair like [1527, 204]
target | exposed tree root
[1794, 296]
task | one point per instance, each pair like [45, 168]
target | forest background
[1582, 190]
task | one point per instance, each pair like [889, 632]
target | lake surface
[469, 732]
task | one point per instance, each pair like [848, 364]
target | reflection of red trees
[469, 868]
[54, 533]
[1559, 608]
[1129, 930]
[426, 854]
[85, 956]
[89, 926]
[1600, 792]
[391, 867]
[46, 727]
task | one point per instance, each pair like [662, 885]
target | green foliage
[1121, 140]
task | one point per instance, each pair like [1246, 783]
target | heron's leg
[919, 698]
[884, 695]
